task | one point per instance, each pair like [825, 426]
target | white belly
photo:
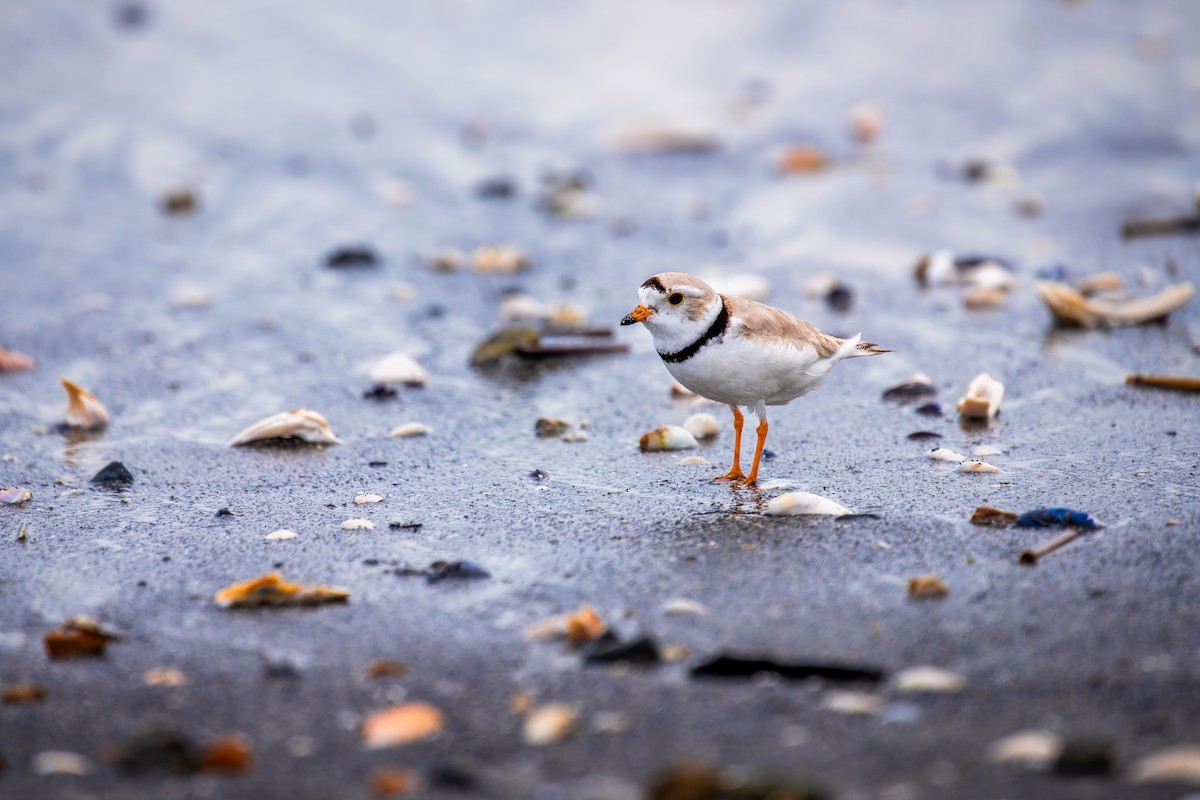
[736, 371]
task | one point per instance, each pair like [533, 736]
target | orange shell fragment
[403, 724]
[273, 590]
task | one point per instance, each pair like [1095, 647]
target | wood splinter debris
[1181, 383]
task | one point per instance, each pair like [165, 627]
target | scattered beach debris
[497, 187]
[449, 259]
[1057, 517]
[280, 536]
[18, 693]
[529, 344]
[697, 781]
[84, 411]
[548, 724]
[156, 749]
[608, 649]
[410, 430]
[500, 259]
[300, 423]
[1031, 556]
[922, 436]
[1179, 383]
[231, 754]
[800, 503]
[393, 782]
[852, 703]
[1070, 307]
[12, 361]
[1099, 283]
[704, 427]
[667, 437]
[404, 524]
[1033, 748]
[984, 450]
[987, 515]
[654, 138]
[865, 122]
[1177, 764]
[682, 605]
[681, 392]
[801, 159]
[746, 667]
[692, 461]
[1161, 226]
[399, 368]
[273, 590]
[60, 762]
[164, 676]
[928, 679]
[1085, 756]
[927, 587]
[402, 724]
[578, 628]
[548, 428]
[567, 195]
[946, 454]
[942, 267]
[916, 386]
[454, 570]
[983, 398]
[358, 525]
[14, 496]
[385, 668]
[179, 201]
[115, 474]
[367, 498]
[930, 410]
[352, 257]
[78, 636]
[979, 467]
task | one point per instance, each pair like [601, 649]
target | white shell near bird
[84, 411]
[983, 397]
[363, 499]
[410, 430]
[668, 437]
[399, 368]
[979, 466]
[702, 426]
[946, 454]
[984, 450]
[795, 503]
[299, 423]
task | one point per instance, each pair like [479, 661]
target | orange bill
[637, 315]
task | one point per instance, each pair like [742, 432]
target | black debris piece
[380, 391]
[352, 257]
[499, 187]
[539, 475]
[910, 390]
[399, 525]
[840, 297]
[115, 474]
[1085, 757]
[610, 650]
[157, 750]
[726, 666]
[454, 570]
[918, 436]
[224, 512]
[930, 410]
[377, 463]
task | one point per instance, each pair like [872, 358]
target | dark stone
[930, 410]
[727, 666]
[1086, 756]
[499, 187]
[352, 257]
[399, 525]
[840, 298]
[917, 436]
[224, 512]
[157, 750]
[380, 391]
[539, 475]
[377, 463]
[609, 650]
[114, 474]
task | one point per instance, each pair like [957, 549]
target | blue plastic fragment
[1056, 518]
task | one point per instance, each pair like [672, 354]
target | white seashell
[367, 498]
[567, 315]
[447, 260]
[548, 724]
[983, 397]
[979, 466]
[857, 703]
[191, 297]
[1178, 764]
[777, 483]
[991, 275]
[281, 536]
[794, 503]
[1033, 748]
[410, 429]
[745, 284]
[819, 286]
[668, 437]
[681, 605]
[403, 291]
[937, 268]
[929, 679]
[358, 524]
[521, 307]
[1069, 305]
[300, 423]
[399, 368]
[985, 450]
[84, 411]
[575, 436]
[945, 454]
[500, 259]
[60, 762]
[702, 426]
[692, 460]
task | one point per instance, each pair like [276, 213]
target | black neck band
[714, 331]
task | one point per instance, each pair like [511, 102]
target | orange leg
[762, 440]
[735, 472]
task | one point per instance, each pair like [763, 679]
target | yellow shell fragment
[280, 536]
[403, 724]
[1033, 748]
[500, 259]
[1178, 764]
[410, 430]
[983, 397]
[1068, 304]
[929, 679]
[299, 423]
[548, 724]
[668, 437]
[84, 411]
[273, 590]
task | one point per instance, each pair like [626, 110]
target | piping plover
[736, 351]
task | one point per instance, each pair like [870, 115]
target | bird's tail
[855, 347]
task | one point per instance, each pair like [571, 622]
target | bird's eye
[675, 298]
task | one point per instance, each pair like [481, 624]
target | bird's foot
[734, 475]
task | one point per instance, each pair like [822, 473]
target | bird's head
[675, 306]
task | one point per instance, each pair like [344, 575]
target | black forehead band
[654, 283]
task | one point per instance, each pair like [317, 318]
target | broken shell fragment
[12, 361]
[60, 762]
[946, 454]
[866, 122]
[979, 467]
[410, 430]
[702, 426]
[1033, 748]
[980, 299]
[1178, 764]
[362, 499]
[579, 628]
[1100, 283]
[500, 259]
[84, 411]
[23, 693]
[358, 524]
[14, 496]
[549, 428]
[273, 590]
[399, 368]
[693, 460]
[1069, 306]
[403, 724]
[853, 703]
[548, 724]
[681, 392]
[668, 437]
[652, 138]
[929, 679]
[796, 503]
[76, 637]
[299, 423]
[915, 386]
[280, 536]
[987, 515]
[983, 397]
[801, 159]
[924, 587]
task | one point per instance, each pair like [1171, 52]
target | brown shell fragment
[926, 587]
[579, 628]
[800, 159]
[231, 755]
[393, 782]
[987, 515]
[983, 398]
[84, 411]
[12, 361]
[23, 693]
[273, 590]
[1069, 306]
[403, 724]
[78, 637]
